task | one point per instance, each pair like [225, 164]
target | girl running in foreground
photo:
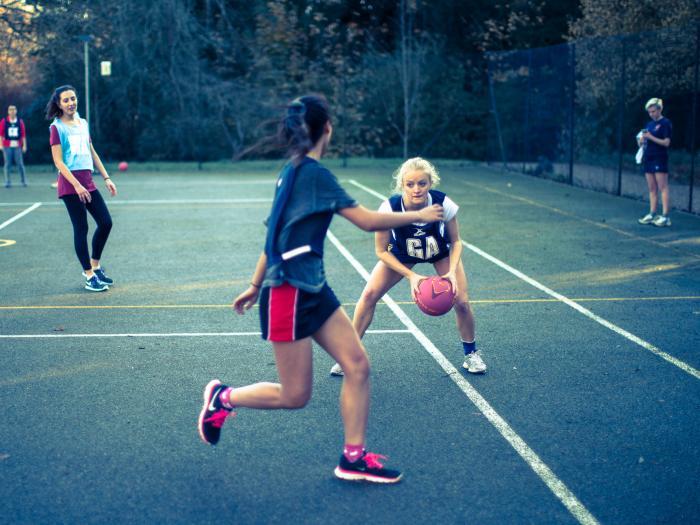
[296, 303]
[401, 248]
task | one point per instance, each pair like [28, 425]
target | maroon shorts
[289, 314]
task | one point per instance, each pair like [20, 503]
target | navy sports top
[419, 242]
[661, 129]
[306, 198]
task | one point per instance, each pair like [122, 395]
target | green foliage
[195, 79]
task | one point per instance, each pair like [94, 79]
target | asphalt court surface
[103, 428]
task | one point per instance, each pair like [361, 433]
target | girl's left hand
[450, 276]
[111, 187]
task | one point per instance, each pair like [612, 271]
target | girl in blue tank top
[75, 159]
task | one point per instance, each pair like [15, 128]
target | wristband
[255, 285]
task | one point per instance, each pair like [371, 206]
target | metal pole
[87, 80]
[621, 119]
[526, 127]
[85, 39]
[693, 123]
[495, 114]
[572, 109]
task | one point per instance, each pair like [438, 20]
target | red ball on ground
[435, 296]
[123, 166]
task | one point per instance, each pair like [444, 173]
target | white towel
[640, 152]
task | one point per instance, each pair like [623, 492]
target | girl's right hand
[83, 194]
[431, 213]
[414, 281]
[246, 300]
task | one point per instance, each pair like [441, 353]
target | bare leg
[380, 282]
[662, 184]
[339, 339]
[462, 308]
[653, 192]
[294, 366]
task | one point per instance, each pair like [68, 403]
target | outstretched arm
[372, 221]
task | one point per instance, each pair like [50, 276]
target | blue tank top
[75, 143]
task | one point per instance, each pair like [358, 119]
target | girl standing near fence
[656, 139]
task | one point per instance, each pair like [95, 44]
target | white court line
[558, 488]
[607, 324]
[20, 215]
[173, 334]
[194, 182]
[191, 201]
[153, 201]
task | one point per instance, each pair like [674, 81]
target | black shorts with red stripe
[289, 314]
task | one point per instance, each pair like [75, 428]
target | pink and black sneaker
[367, 468]
[213, 414]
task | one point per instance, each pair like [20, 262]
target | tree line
[199, 79]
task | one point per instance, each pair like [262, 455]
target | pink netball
[435, 296]
[123, 166]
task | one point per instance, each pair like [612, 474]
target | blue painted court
[589, 322]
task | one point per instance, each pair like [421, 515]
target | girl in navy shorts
[75, 158]
[400, 249]
[296, 303]
[656, 139]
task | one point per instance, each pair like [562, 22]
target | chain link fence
[571, 112]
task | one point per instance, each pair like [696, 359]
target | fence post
[693, 123]
[495, 114]
[621, 117]
[572, 109]
[526, 125]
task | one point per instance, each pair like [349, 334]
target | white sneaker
[337, 370]
[473, 363]
[647, 219]
[661, 221]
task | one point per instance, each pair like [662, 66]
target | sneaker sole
[207, 399]
[337, 374]
[475, 371]
[97, 289]
[359, 476]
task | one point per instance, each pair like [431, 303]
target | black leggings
[78, 216]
